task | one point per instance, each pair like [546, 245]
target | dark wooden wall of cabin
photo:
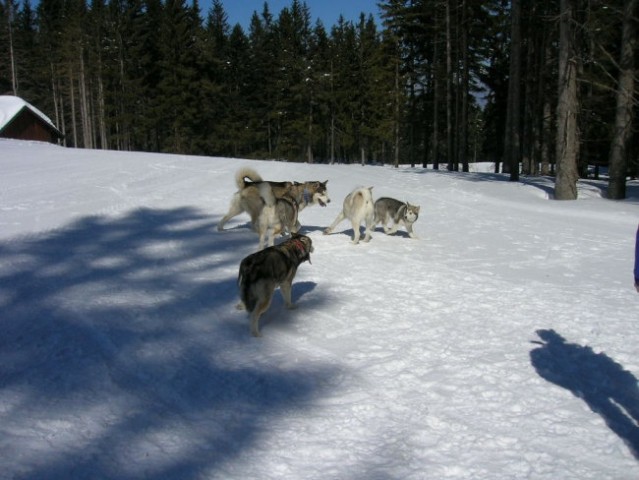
[27, 126]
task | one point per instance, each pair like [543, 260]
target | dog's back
[388, 208]
[358, 205]
[261, 272]
[278, 215]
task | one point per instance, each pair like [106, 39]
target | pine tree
[178, 77]
[625, 92]
[567, 134]
[261, 84]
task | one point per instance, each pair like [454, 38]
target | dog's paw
[328, 231]
[240, 306]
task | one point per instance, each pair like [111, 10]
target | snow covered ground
[502, 344]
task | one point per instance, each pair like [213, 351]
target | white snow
[501, 344]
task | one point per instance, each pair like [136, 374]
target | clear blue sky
[240, 11]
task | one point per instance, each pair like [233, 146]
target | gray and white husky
[358, 208]
[400, 213]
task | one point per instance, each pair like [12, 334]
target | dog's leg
[356, 232]
[385, 226]
[409, 229]
[286, 289]
[339, 218]
[271, 236]
[369, 229]
[234, 210]
[255, 324]
[262, 231]
[392, 229]
[260, 308]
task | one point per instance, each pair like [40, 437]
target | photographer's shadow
[603, 384]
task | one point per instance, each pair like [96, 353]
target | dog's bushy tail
[246, 172]
[244, 279]
[266, 192]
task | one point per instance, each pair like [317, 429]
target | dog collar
[300, 247]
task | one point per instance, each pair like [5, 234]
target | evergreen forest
[539, 88]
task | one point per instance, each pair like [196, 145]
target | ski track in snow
[501, 344]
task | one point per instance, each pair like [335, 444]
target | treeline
[537, 87]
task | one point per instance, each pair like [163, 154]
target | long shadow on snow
[113, 360]
[597, 379]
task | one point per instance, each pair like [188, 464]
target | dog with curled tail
[358, 208]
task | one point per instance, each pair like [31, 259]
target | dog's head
[412, 213]
[315, 192]
[302, 246]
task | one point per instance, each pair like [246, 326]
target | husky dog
[247, 198]
[278, 215]
[262, 272]
[387, 209]
[358, 208]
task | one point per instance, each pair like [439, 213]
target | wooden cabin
[22, 121]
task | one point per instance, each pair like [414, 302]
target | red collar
[300, 245]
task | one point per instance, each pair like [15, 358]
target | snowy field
[501, 344]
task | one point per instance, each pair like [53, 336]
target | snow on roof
[10, 106]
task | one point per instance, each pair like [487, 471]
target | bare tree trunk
[12, 58]
[449, 91]
[512, 141]
[309, 147]
[546, 120]
[465, 87]
[397, 112]
[74, 125]
[545, 137]
[435, 138]
[332, 134]
[104, 144]
[567, 134]
[623, 117]
[87, 130]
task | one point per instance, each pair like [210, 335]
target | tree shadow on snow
[114, 351]
[597, 379]
[279, 315]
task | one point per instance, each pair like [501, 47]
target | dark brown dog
[262, 272]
